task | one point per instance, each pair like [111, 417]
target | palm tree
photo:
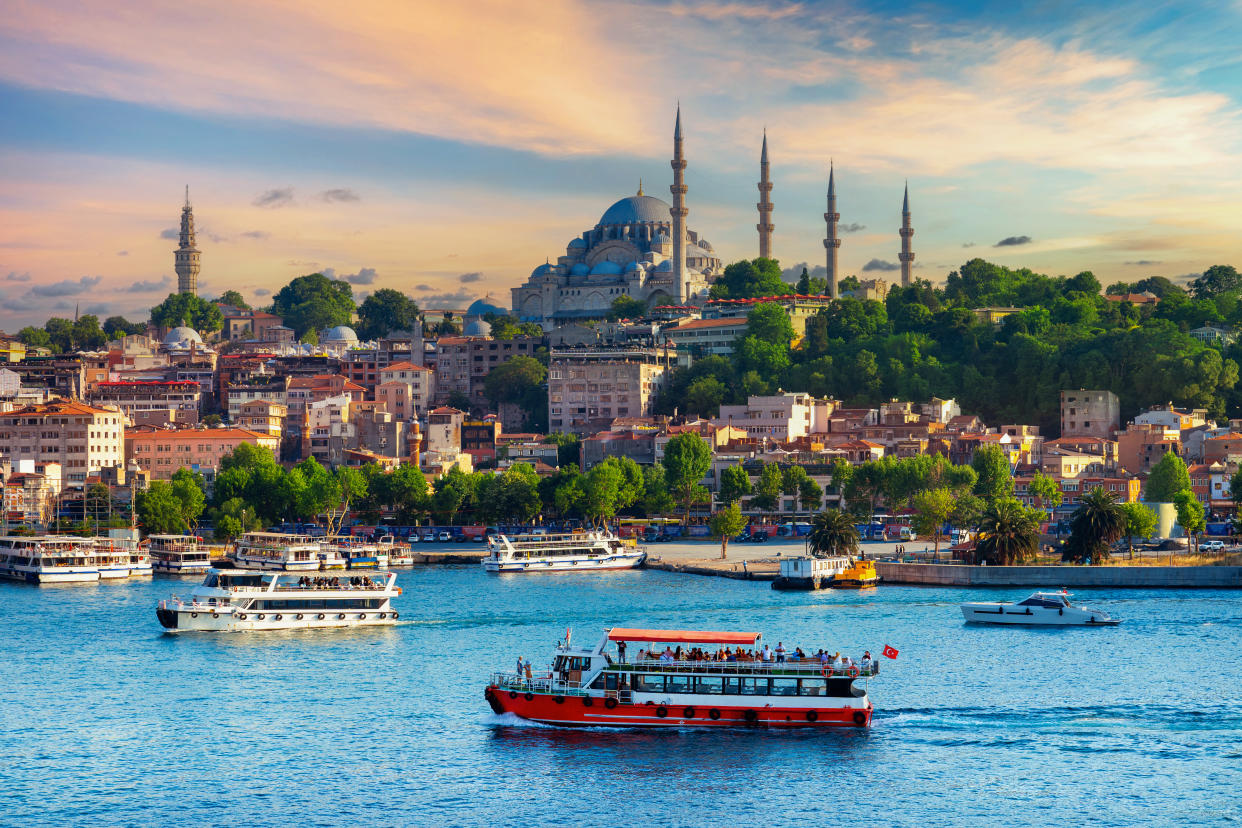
[1098, 522]
[833, 533]
[1008, 531]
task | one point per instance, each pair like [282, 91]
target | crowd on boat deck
[767, 655]
[322, 582]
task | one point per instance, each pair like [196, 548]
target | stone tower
[679, 212]
[765, 226]
[831, 243]
[186, 255]
[907, 254]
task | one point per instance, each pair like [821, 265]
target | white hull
[52, 575]
[113, 571]
[172, 568]
[1034, 616]
[205, 620]
[270, 565]
[577, 563]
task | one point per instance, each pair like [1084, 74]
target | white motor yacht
[1052, 609]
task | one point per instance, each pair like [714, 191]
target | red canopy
[683, 636]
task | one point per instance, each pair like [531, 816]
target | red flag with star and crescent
[889, 652]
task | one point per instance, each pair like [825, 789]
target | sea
[108, 720]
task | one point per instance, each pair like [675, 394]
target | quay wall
[1200, 577]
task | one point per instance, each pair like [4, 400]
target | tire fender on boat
[713, 714]
[812, 716]
[299, 616]
[587, 701]
[750, 716]
[529, 696]
[688, 713]
[610, 703]
[661, 712]
[241, 616]
[512, 694]
[320, 616]
[860, 718]
[558, 699]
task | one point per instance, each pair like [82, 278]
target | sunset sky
[445, 149]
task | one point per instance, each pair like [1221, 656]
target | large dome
[183, 336]
[635, 209]
[481, 306]
[341, 333]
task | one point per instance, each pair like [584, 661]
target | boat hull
[574, 711]
[56, 575]
[207, 620]
[1034, 617]
[181, 568]
[574, 564]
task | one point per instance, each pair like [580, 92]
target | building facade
[83, 438]
[589, 387]
[162, 451]
[1089, 413]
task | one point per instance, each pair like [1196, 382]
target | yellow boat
[858, 574]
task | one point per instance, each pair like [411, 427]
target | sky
[446, 149]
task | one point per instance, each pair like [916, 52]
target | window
[710, 684]
[754, 687]
[648, 684]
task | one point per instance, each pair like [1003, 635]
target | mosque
[641, 248]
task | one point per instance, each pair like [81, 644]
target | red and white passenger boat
[593, 687]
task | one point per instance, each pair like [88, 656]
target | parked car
[1212, 546]
[760, 537]
[478, 538]
[445, 536]
[413, 537]
[460, 538]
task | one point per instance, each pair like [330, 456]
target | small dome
[580, 269]
[606, 268]
[576, 244]
[665, 266]
[706, 245]
[543, 270]
[341, 333]
[183, 336]
[636, 209]
[478, 328]
[634, 267]
[481, 307]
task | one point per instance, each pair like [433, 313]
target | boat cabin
[1050, 600]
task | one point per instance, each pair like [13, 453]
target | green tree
[33, 337]
[348, 485]
[727, 523]
[687, 458]
[1190, 515]
[1046, 490]
[385, 311]
[1141, 522]
[233, 299]
[1097, 523]
[767, 497]
[1008, 533]
[626, 307]
[932, 508]
[768, 322]
[115, 327]
[190, 490]
[453, 491]
[992, 469]
[601, 488]
[515, 381]
[314, 302]
[656, 499]
[189, 310]
[704, 396]
[833, 533]
[568, 448]
[1216, 280]
[810, 495]
[1168, 478]
[232, 518]
[792, 478]
[160, 510]
[750, 280]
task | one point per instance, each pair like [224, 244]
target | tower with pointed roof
[679, 213]
[907, 253]
[765, 226]
[186, 255]
[831, 242]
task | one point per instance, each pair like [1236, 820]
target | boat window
[610, 681]
[598, 684]
[811, 687]
[710, 684]
[754, 687]
[784, 687]
[678, 684]
[212, 580]
[731, 684]
[649, 684]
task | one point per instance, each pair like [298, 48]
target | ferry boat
[1041, 609]
[834, 572]
[592, 687]
[48, 559]
[121, 558]
[276, 551]
[178, 554]
[244, 599]
[365, 555]
[572, 551]
[399, 554]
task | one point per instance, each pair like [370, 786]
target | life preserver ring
[860, 718]
[853, 672]
[558, 699]
[320, 616]
[713, 714]
[811, 716]
[661, 712]
[529, 696]
[826, 670]
[512, 694]
[610, 703]
[750, 716]
[587, 701]
[241, 616]
[362, 616]
[688, 713]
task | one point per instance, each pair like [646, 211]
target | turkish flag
[889, 652]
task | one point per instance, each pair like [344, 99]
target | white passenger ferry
[121, 558]
[48, 559]
[241, 599]
[719, 682]
[276, 551]
[360, 554]
[178, 554]
[572, 551]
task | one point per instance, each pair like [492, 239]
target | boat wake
[514, 720]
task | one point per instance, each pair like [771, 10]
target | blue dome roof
[662, 238]
[542, 270]
[576, 243]
[633, 267]
[580, 269]
[634, 209]
[479, 307]
[478, 328]
[665, 266]
[606, 268]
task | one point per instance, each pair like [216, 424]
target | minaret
[679, 212]
[765, 226]
[186, 254]
[831, 243]
[907, 255]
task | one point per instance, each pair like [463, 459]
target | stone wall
[1060, 576]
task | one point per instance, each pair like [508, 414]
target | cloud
[466, 278]
[122, 252]
[14, 276]
[879, 264]
[853, 227]
[1144, 263]
[441, 301]
[364, 276]
[148, 286]
[170, 233]
[262, 292]
[256, 234]
[274, 198]
[68, 287]
[1013, 241]
[424, 288]
[793, 274]
[968, 244]
[339, 195]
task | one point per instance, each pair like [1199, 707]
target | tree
[347, 486]
[33, 337]
[792, 478]
[1168, 478]
[87, 334]
[515, 380]
[1046, 490]
[1216, 280]
[190, 490]
[1008, 532]
[187, 309]
[160, 510]
[233, 299]
[687, 458]
[656, 499]
[1096, 524]
[767, 496]
[385, 311]
[601, 487]
[770, 323]
[931, 509]
[751, 279]
[453, 491]
[60, 333]
[810, 495]
[314, 302]
[1190, 515]
[1141, 522]
[232, 518]
[115, 327]
[626, 307]
[833, 533]
[727, 523]
[992, 467]
[704, 397]
[568, 448]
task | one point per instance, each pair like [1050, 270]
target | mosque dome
[706, 245]
[183, 336]
[634, 267]
[636, 209]
[576, 244]
[662, 238]
[542, 270]
[478, 328]
[606, 268]
[482, 307]
[341, 333]
[580, 269]
[665, 266]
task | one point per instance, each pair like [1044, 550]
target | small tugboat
[573, 551]
[178, 554]
[692, 687]
[1042, 609]
[834, 572]
[279, 552]
[241, 599]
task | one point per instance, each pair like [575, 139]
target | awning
[683, 636]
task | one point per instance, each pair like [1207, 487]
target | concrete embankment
[472, 556]
[1198, 577]
[758, 571]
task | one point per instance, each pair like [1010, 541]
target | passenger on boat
[526, 668]
[780, 652]
[866, 662]
[667, 656]
[621, 651]
[767, 654]
[519, 666]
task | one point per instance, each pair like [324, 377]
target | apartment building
[1089, 413]
[83, 438]
[162, 451]
[588, 387]
[135, 397]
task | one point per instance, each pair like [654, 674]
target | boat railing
[548, 683]
[788, 667]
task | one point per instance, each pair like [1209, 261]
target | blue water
[109, 721]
